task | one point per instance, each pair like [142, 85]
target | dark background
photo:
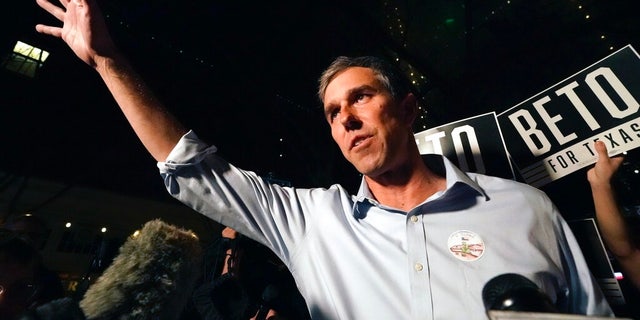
[243, 75]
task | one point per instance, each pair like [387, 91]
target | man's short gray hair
[391, 77]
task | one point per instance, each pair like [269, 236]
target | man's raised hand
[83, 29]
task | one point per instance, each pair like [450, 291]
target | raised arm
[85, 32]
[610, 220]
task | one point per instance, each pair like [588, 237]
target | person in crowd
[250, 284]
[24, 284]
[419, 240]
[611, 223]
[34, 232]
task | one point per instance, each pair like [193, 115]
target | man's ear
[409, 108]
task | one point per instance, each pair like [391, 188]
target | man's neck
[407, 187]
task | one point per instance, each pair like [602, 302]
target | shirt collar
[437, 163]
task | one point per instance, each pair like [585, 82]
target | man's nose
[349, 119]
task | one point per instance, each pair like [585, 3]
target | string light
[394, 22]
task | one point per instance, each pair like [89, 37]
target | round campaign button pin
[466, 245]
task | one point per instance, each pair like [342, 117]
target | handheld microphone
[513, 292]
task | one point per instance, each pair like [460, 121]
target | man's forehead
[353, 72]
[351, 79]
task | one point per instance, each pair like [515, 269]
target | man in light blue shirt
[355, 258]
[419, 240]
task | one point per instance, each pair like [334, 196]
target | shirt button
[414, 219]
[418, 267]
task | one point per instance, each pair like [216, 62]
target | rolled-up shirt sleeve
[240, 199]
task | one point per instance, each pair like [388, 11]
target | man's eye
[333, 114]
[361, 97]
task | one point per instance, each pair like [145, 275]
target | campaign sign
[474, 144]
[551, 134]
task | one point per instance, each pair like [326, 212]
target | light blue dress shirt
[356, 259]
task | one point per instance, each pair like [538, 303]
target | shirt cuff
[188, 151]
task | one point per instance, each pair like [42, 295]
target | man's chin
[371, 172]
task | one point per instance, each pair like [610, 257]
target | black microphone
[269, 295]
[513, 292]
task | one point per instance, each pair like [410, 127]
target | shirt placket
[422, 302]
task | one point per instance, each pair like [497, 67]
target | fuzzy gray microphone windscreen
[152, 277]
